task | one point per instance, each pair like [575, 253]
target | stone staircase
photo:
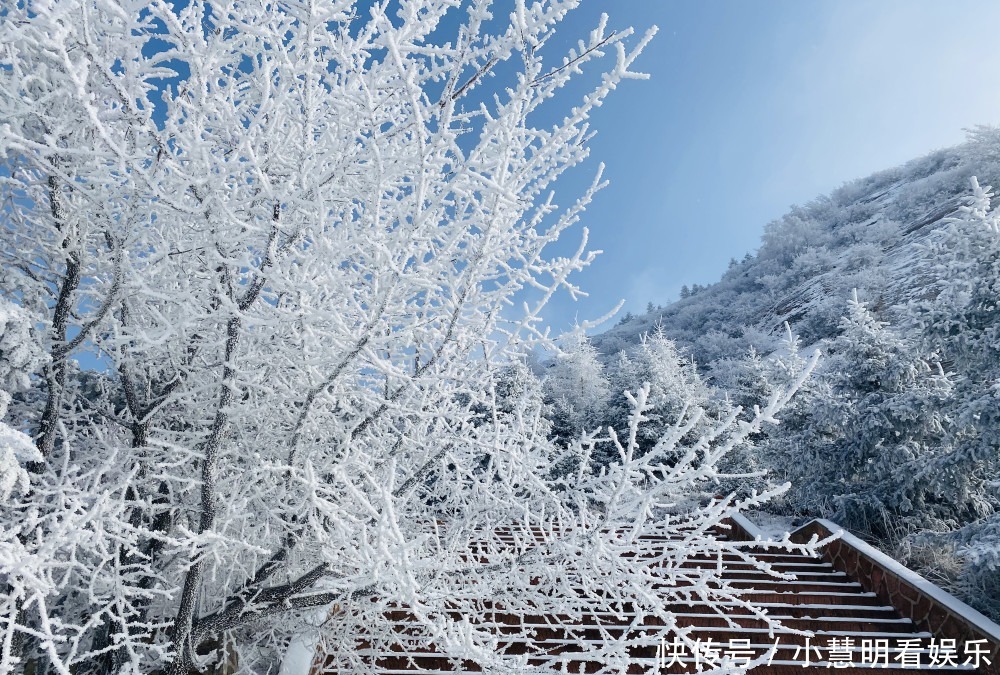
[848, 628]
[821, 618]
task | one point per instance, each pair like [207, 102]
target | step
[803, 602]
[437, 664]
[734, 566]
[802, 610]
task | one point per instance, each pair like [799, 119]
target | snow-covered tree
[752, 378]
[290, 241]
[576, 387]
[858, 446]
[744, 380]
[959, 317]
[20, 357]
[677, 389]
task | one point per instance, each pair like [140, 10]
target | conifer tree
[871, 430]
[960, 318]
[576, 388]
[678, 392]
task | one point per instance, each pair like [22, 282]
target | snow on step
[814, 609]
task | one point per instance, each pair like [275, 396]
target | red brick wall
[926, 612]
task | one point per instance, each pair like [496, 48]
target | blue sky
[754, 106]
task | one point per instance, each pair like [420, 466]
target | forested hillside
[895, 280]
[866, 235]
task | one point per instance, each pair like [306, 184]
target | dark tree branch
[184, 621]
[572, 62]
[55, 372]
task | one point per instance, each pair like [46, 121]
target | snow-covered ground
[298, 658]
[770, 525]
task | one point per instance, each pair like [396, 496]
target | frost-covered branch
[292, 242]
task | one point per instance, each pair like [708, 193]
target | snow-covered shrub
[16, 450]
[984, 142]
[20, 354]
[20, 358]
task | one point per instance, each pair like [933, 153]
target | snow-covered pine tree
[959, 316]
[288, 242]
[576, 388]
[678, 393]
[745, 381]
[869, 430]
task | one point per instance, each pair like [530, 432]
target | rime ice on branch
[292, 240]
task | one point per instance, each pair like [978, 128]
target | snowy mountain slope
[870, 234]
[897, 435]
